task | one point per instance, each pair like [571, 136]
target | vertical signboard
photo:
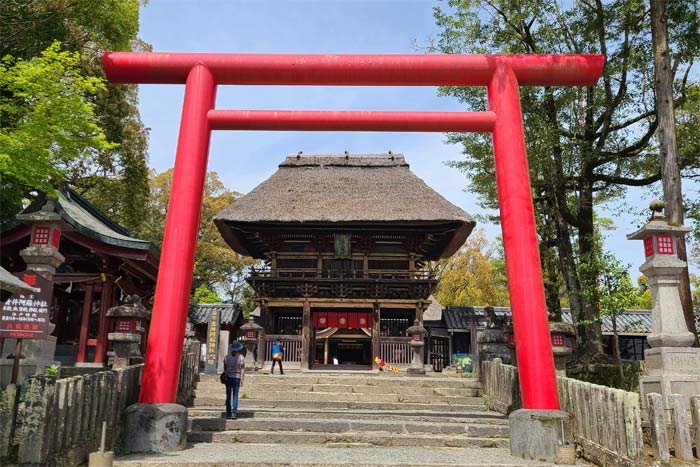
[26, 315]
[212, 342]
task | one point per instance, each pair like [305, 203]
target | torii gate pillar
[501, 74]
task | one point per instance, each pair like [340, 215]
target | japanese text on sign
[26, 316]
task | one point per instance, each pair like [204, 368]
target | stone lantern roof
[658, 225]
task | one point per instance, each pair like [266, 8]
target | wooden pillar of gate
[306, 335]
[85, 323]
[376, 333]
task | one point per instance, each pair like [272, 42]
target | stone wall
[605, 423]
[52, 421]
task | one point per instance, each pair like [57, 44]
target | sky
[243, 159]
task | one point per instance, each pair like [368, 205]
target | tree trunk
[617, 351]
[670, 167]
[591, 333]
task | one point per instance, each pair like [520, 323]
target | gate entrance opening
[500, 74]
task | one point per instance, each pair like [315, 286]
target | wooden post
[326, 345]
[365, 265]
[376, 333]
[15, 365]
[305, 335]
[273, 263]
[420, 308]
[85, 323]
[105, 304]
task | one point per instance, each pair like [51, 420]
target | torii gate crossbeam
[501, 74]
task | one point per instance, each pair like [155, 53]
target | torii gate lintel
[501, 74]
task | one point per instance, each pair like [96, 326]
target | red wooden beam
[352, 70]
[290, 120]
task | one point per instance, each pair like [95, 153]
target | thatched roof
[358, 189]
[367, 188]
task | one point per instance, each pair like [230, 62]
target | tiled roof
[630, 322]
[460, 317]
[230, 312]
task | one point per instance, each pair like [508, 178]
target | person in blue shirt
[277, 355]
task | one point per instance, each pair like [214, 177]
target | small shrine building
[346, 242]
[102, 262]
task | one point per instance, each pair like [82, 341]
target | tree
[216, 266]
[114, 178]
[54, 126]
[615, 294]
[472, 276]
[584, 145]
[670, 167]
[204, 294]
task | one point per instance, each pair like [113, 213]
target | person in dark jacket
[234, 368]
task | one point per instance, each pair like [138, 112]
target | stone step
[336, 426]
[336, 455]
[345, 379]
[248, 394]
[342, 388]
[480, 416]
[373, 439]
[340, 404]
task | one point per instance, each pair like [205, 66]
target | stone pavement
[343, 419]
[273, 455]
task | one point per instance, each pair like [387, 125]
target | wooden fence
[395, 350]
[53, 421]
[60, 421]
[290, 343]
[501, 387]
[605, 422]
[189, 372]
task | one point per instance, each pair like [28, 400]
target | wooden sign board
[210, 365]
[26, 316]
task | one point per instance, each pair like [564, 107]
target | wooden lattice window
[648, 246]
[41, 235]
[558, 340]
[664, 245]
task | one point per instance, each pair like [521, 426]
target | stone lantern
[559, 332]
[127, 331]
[42, 254]
[673, 366]
[251, 331]
[417, 334]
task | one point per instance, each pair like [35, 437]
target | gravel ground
[249, 455]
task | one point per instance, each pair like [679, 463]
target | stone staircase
[315, 419]
[349, 409]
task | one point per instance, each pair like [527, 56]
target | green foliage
[53, 124]
[688, 137]
[584, 145]
[204, 294]
[217, 266]
[474, 276]
[52, 370]
[114, 178]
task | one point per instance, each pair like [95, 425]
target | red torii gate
[501, 74]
